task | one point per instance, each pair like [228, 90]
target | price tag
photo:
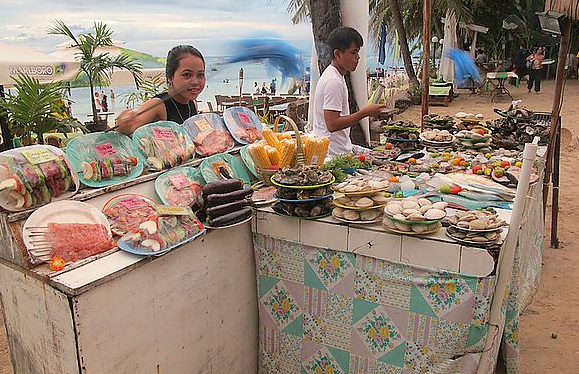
[105, 150]
[203, 125]
[163, 133]
[132, 203]
[179, 181]
[39, 155]
[245, 119]
[170, 210]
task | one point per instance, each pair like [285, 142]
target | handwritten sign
[203, 125]
[179, 181]
[244, 118]
[105, 150]
[39, 155]
[170, 210]
[132, 203]
[163, 133]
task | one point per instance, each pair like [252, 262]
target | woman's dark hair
[342, 37]
[176, 54]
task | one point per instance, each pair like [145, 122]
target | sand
[555, 308]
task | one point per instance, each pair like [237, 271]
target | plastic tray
[247, 160]
[105, 149]
[164, 142]
[201, 125]
[223, 166]
[30, 191]
[239, 118]
[134, 206]
[178, 182]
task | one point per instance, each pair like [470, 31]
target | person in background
[264, 88]
[104, 102]
[520, 62]
[185, 73]
[97, 102]
[535, 66]
[112, 95]
[331, 109]
[272, 87]
[255, 88]
[308, 78]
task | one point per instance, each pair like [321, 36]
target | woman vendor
[185, 72]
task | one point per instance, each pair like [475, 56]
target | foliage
[97, 67]
[299, 9]
[37, 108]
[148, 88]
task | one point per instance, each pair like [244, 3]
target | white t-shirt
[332, 94]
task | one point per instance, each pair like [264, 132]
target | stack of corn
[279, 150]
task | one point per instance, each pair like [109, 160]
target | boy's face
[349, 58]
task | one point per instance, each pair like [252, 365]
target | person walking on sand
[272, 87]
[535, 66]
[264, 88]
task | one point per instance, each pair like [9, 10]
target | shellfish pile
[476, 228]
[414, 215]
[359, 208]
[475, 139]
[361, 185]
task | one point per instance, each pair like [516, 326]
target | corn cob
[259, 155]
[288, 153]
[271, 139]
[273, 155]
[321, 150]
[282, 135]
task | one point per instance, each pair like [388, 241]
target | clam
[461, 115]
[379, 198]
[410, 204]
[420, 228]
[364, 202]
[477, 224]
[341, 185]
[453, 220]
[435, 214]
[463, 225]
[399, 217]
[480, 239]
[408, 212]
[402, 226]
[343, 200]
[338, 212]
[415, 217]
[433, 226]
[424, 202]
[394, 209]
[468, 218]
[388, 223]
[440, 205]
[424, 209]
[369, 215]
[351, 188]
[492, 235]
[351, 215]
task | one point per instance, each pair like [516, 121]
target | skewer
[36, 227]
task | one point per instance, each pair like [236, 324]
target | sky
[153, 26]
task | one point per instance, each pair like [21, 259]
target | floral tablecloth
[328, 312]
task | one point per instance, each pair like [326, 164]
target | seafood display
[164, 144]
[476, 221]
[477, 138]
[209, 134]
[302, 176]
[402, 134]
[243, 124]
[366, 202]
[76, 241]
[362, 185]
[35, 176]
[438, 121]
[414, 215]
[353, 216]
[179, 186]
[104, 158]
[127, 212]
[467, 121]
[437, 138]
[474, 239]
[312, 209]
[517, 127]
[298, 194]
[162, 233]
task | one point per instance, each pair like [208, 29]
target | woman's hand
[126, 122]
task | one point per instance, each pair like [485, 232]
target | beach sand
[555, 308]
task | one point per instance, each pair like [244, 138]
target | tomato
[57, 264]
[480, 131]
[505, 164]
[393, 180]
[476, 168]
[388, 146]
[411, 160]
[133, 160]
[455, 190]
[361, 158]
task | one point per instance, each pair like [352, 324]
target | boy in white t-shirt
[331, 110]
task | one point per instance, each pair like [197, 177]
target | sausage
[231, 218]
[220, 199]
[220, 210]
[221, 187]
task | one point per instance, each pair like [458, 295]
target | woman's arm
[152, 110]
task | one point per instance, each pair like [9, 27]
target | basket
[265, 175]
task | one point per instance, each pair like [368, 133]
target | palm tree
[97, 67]
[36, 108]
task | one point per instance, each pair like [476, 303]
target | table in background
[500, 78]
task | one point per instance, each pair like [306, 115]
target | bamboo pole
[425, 60]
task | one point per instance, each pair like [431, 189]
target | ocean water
[224, 81]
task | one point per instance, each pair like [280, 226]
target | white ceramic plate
[59, 212]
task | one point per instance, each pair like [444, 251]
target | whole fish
[468, 204]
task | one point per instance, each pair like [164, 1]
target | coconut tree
[36, 108]
[98, 67]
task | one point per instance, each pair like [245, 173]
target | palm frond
[299, 10]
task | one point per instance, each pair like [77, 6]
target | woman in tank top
[185, 71]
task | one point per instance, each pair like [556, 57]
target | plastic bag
[103, 159]
[209, 134]
[243, 124]
[164, 144]
[126, 212]
[179, 186]
[34, 176]
[223, 166]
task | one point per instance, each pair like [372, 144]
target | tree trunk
[403, 41]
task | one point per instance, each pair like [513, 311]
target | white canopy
[46, 68]
[446, 68]
[124, 77]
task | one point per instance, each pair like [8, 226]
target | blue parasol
[465, 70]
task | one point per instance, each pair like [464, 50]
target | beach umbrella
[446, 69]
[465, 69]
[46, 68]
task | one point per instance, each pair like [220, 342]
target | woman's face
[189, 78]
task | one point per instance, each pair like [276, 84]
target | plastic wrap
[209, 134]
[34, 176]
[126, 212]
[179, 186]
[102, 159]
[223, 166]
[243, 124]
[164, 144]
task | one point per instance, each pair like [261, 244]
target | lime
[445, 188]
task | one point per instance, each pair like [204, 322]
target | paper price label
[105, 150]
[39, 155]
[170, 210]
[245, 119]
[179, 181]
[203, 125]
[132, 203]
[163, 133]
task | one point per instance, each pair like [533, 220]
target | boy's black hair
[343, 37]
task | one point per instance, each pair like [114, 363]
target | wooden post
[555, 201]
[425, 60]
[555, 112]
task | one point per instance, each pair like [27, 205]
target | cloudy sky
[153, 26]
